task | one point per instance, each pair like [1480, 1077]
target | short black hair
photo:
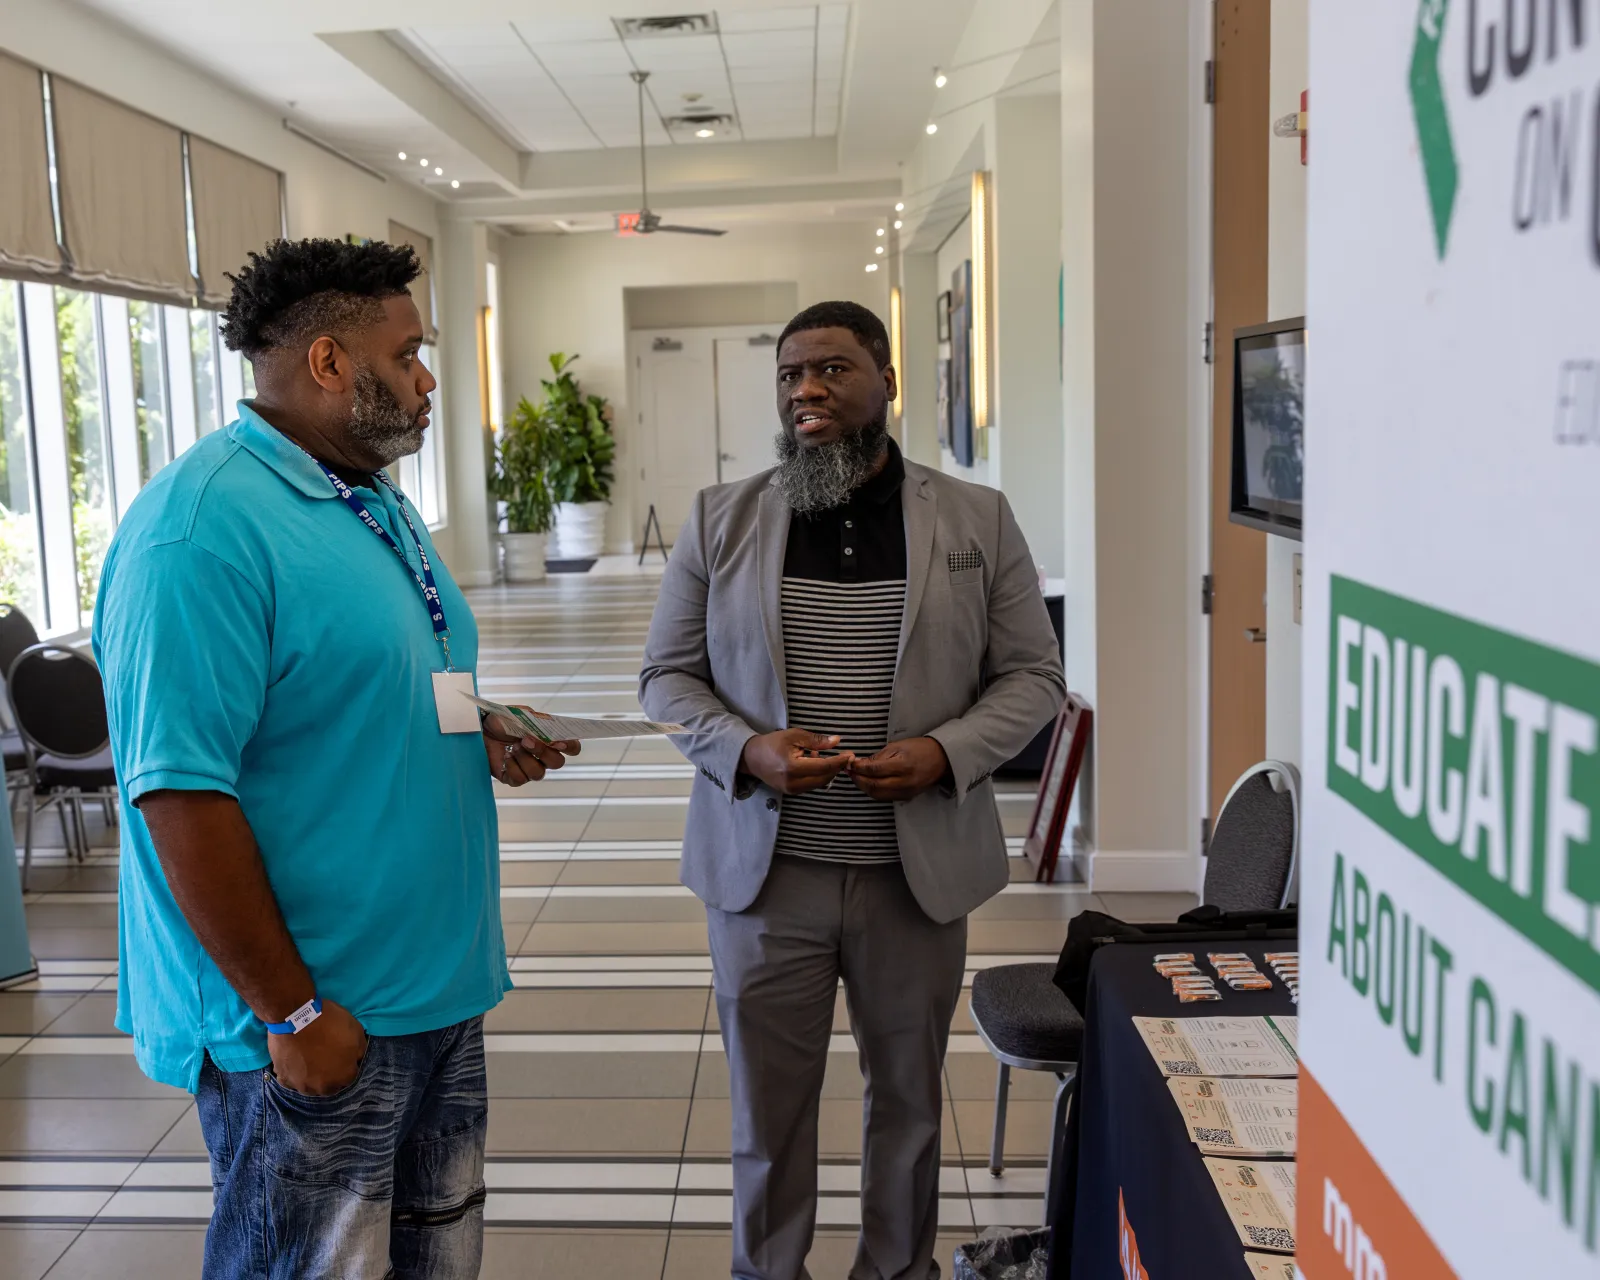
[297, 286]
[868, 329]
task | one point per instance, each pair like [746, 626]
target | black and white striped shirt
[844, 589]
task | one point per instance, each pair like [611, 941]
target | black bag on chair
[1091, 930]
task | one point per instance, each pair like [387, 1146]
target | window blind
[27, 224]
[120, 176]
[422, 286]
[237, 210]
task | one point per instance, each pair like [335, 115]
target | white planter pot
[580, 532]
[524, 556]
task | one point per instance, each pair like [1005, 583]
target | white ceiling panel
[790, 42]
[583, 57]
[565, 30]
[767, 19]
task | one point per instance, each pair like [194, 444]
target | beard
[378, 421]
[821, 477]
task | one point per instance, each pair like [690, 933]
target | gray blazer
[979, 670]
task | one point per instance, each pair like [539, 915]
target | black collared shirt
[862, 541]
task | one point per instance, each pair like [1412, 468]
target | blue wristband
[299, 1020]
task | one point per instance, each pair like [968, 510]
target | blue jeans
[382, 1179]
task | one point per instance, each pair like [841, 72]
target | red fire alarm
[628, 224]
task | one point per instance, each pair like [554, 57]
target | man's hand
[902, 770]
[787, 761]
[322, 1059]
[515, 758]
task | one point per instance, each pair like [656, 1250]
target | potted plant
[521, 463]
[579, 473]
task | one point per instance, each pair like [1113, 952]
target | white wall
[1286, 296]
[565, 293]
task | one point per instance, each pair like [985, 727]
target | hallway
[609, 1118]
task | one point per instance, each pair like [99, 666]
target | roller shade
[422, 286]
[27, 226]
[237, 210]
[120, 175]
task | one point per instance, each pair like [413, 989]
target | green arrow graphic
[1433, 120]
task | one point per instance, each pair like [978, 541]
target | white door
[747, 412]
[678, 411]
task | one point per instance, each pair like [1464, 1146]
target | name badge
[456, 713]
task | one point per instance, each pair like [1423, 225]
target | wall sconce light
[982, 323]
[897, 348]
[483, 368]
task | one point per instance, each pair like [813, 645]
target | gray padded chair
[1254, 853]
[1027, 1023]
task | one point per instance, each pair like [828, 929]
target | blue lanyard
[424, 580]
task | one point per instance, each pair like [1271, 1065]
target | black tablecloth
[1125, 1134]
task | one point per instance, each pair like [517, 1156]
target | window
[151, 413]
[21, 582]
[209, 412]
[78, 335]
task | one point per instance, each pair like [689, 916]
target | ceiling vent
[692, 121]
[683, 24]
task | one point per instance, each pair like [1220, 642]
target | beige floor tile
[573, 1255]
[61, 914]
[651, 786]
[638, 822]
[23, 1013]
[136, 1253]
[1145, 907]
[554, 784]
[515, 934]
[1027, 1128]
[971, 1078]
[184, 1138]
[587, 1126]
[630, 871]
[70, 1075]
[600, 1009]
[26, 1253]
[70, 877]
[648, 909]
[530, 873]
[92, 1015]
[73, 944]
[838, 1130]
[1027, 937]
[79, 1126]
[616, 939]
[563, 823]
[515, 911]
[591, 1075]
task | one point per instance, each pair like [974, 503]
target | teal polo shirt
[257, 639]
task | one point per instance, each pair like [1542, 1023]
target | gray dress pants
[777, 967]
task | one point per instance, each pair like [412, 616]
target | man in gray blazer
[854, 643]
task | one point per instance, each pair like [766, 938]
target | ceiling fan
[645, 222]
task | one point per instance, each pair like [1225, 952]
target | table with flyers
[1154, 1185]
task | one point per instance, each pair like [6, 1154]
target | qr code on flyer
[1271, 1238]
[1223, 1137]
[1182, 1068]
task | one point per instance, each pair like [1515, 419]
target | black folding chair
[16, 634]
[60, 709]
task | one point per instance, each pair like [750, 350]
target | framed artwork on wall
[943, 320]
[944, 403]
[1042, 845]
[961, 436]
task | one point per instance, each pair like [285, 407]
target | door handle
[1255, 635]
[726, 457]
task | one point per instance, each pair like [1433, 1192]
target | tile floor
[608, 1137]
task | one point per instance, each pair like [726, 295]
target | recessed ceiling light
[879, 249]
[872, 266]
[455, 182]
[898, 224]
[438, 170]
[932, 128]
[423, 163]
[705, 133]
[901, 207]
[940, 79]
[880, 231]
[402, 155]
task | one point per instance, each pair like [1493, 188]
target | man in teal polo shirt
[310, 892]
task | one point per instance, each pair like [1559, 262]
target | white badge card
[457, 714]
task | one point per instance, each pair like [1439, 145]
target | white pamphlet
[1270, 1266]
[574, 728]
[1259, 1197]
[1239, 1118]
[1221, 1046]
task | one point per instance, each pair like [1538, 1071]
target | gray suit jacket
[979, 670]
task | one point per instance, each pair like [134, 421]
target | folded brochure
[551, 728]
[1270, 1266]
[1259, 1198]
[1239, 1118]
[1263, 1046]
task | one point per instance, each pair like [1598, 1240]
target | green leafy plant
[582, 447]
[522, 456]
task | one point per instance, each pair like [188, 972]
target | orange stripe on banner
[1128, 1245]
[1351, 1220]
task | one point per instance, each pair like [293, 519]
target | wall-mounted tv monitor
[1269, 446]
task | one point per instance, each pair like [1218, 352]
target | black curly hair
[299, 289]
[868, 329]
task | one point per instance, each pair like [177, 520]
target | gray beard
[821, 477]
[377, 420]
